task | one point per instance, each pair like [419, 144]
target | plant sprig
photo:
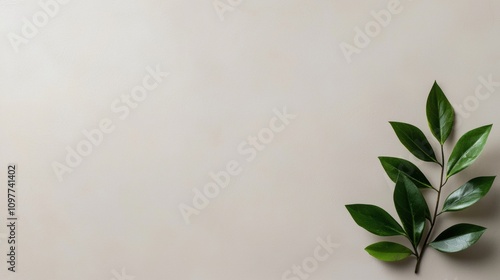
[409, 202]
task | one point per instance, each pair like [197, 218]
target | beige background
[118, 212]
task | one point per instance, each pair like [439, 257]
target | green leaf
[411, 207]
[440, 114]
[467, 149]
[468, 194]
[375, 220]
[389, 251]
[414, 140]
[393, 166]
[457, 238]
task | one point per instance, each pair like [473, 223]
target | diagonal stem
[434, 218]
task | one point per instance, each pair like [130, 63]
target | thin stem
[433, 222]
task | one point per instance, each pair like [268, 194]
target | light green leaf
[411, 207]
[414, 140]
[467, 149]
[389, 251]
[375, 220]
[468, 194]
[393, 166]
[457, 238]
[440, 114]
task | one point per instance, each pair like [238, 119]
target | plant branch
[434, 218]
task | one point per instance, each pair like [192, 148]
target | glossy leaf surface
[440, 114]
[414, 140]
[389, 251]
[375, 220]
[467, 149]
[457, 238]
[468, 194]
[393, 166]
[411, 207]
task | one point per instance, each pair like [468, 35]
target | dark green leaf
[440, 114]
[467, 149]
[411, 207]
[414, 140]
[468, 194]
[393, 166]
[457, 238]
[388, 251]
[375, 220]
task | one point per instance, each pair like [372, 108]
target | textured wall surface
[214, 140]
